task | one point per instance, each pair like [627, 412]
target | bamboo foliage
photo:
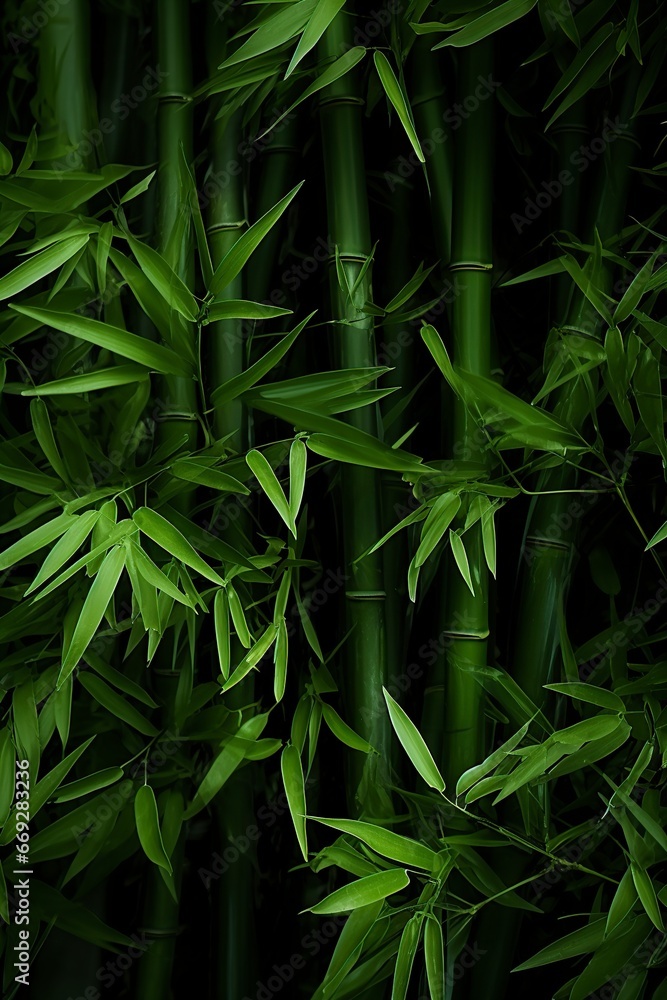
[332, 467]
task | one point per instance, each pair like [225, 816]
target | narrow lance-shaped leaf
[490, 22]
[298, 459]
[407, 950]
[148, 827]
[295, 790]
[112, 338]
[434, 957]
[268, 480]
[31, 271]
[413, 743]
[385, 842]
[115, 703]
[172, 288]
[95, 605]
[392, 89]
[364, 891]
[163, 532]
[236, 258]
[319, 21]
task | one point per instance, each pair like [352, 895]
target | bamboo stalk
[349, 228]
[161, 912]
[236, 951]
[457, 695]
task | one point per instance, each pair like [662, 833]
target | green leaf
[65, 547]
[413, 744]
[385, 842]
[31, 271]
[170, 286]
[343, 732]
[490, 22]
[242, 309]
[298, 460]
[111, 338]
[138, 189]
[434, 957]
[473, 774]
[253, 656]
[6, 164]
[268, 480]
[646, 893]
[222, 631]
[162, 531]
[440, 516]
[295, 790]
[148, 827]
[246, 380]
[363, 892]
[91, 783]
[407, 950]
[580, 942]
[154, 576]
[659, 536]
[394, 92]
[461, 558]
[589, 693]
[226, 762]
[116, 704]
[102, 378]
[318, 23]
[236, 258]
[275, 31]
[95, 605]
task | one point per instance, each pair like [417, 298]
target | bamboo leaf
[31, 271]
[111, 338]
[295, 790]
[268, 480]
[236, 258]
[434, 957]
[461, 558]
[162, 531]
[646, 893]
[385, 842]
[344, 733]
[172, 288]
[95, 605]
[102, 378]
[490, 22]
[413, 744]
[321, 18]
[116, 704]
[148, 827]
[407, 949]
[397, 98]
[363, 892]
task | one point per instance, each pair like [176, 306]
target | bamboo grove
[332, 463]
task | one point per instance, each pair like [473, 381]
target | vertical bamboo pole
[457, 695]
[349, 227]
[236, 942]
[161, 912]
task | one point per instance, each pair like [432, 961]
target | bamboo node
[365, 595]
[470, 265]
